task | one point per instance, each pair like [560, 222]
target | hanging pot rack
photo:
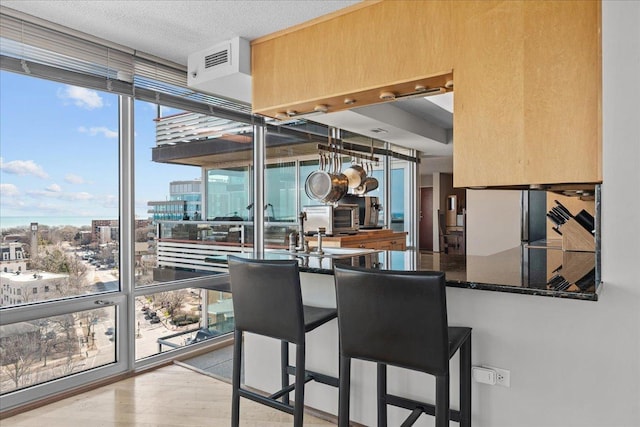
[333, 148]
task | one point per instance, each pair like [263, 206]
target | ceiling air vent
[223, 70]
[216, 59]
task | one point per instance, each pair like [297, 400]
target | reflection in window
[228, 194]
[280, 192]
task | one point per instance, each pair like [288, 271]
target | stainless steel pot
[327, 187]
[368, 184]
[355, 174]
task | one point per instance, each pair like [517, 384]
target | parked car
[155, 319]
[110, 330]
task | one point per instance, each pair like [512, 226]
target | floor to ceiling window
[59, 211]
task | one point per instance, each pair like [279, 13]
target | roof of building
[27, 276]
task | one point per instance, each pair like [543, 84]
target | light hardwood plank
[166, 397]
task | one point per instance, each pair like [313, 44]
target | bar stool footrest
[288, 389]
[316, 376]
[266, 401]
[427, 408]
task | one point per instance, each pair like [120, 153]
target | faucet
[319, 250]
[304, 246]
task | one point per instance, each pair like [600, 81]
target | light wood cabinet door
[354, 53]
[527, 104]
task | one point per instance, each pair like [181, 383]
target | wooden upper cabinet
[527, 93]
[527, 74]
[355, 53]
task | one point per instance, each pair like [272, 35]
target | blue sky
[59, 151]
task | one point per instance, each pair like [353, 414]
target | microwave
[369, 209]
[338, 219]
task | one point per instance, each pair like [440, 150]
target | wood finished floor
[170, 396]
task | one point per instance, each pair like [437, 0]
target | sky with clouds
[59, 152]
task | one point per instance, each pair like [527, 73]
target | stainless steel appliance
[339, 219]
[368, 209]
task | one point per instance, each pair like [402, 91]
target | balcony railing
[193, 244]
[189, 127]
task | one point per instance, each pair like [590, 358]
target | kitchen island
[521, 270]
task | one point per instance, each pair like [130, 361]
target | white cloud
[78, 196]
[81, 97]
[54, 188]
[23, 167]
[60, 195]
[74, 179]
[93, 131]
[8, 190]
[36, 194]
[110, 201]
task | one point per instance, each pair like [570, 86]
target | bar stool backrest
[393, 317]
[267, 299]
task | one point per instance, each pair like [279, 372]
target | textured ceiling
[174, 29]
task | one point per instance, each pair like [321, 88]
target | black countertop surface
[522, 270]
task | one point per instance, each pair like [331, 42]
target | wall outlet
[503, 376]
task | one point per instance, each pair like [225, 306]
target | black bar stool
[267, 300]
[400, 318]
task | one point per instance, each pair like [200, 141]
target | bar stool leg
[442, 400]
[343, 391]
[465, 383]
[382, 395]
[237, 362]
[284, 362]
[298, 410]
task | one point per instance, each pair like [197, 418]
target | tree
[55, 260]
[171, 301]
[67, 325]
[18, 353]
[47, 339]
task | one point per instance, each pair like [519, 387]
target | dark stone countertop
[522, 270]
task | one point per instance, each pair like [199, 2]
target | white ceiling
[173, 29]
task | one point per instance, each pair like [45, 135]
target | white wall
[426, 180]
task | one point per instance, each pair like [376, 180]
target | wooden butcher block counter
[383, 239]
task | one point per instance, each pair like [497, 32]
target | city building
[13, 257]
[18, 285]
[185, 202]
[28, 286]
[107, 230]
